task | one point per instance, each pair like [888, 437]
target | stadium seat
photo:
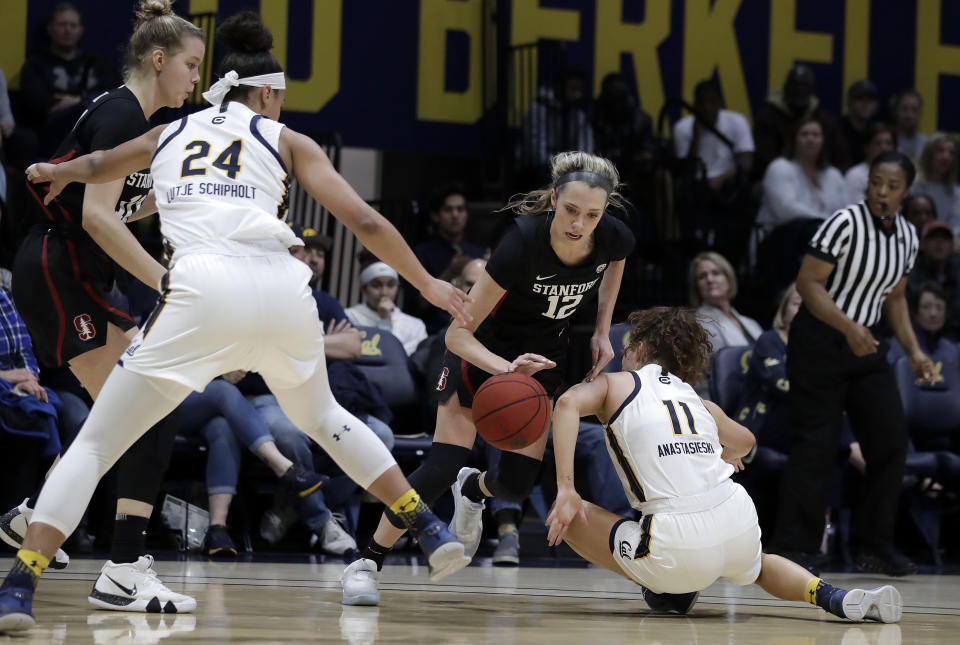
[930, 409]
[619, 335]
[384, 362]
[727, 370]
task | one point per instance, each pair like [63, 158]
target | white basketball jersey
[664, 443]
[221, 184]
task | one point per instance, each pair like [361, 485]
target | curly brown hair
[673, 339]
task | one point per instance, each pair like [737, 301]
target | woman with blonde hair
[713, 286]
[937, 178]
[561, 255]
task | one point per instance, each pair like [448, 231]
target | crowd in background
[751, 196]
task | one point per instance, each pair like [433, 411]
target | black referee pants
[826, 380]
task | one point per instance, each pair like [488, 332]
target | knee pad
[513, 477]
[435, 475]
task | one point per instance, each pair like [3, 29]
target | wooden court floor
[250, 602]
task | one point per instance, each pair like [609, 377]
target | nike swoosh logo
[126, 590]
[546, 277]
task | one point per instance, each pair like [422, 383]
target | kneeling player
[675, 454]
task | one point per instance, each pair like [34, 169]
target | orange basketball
[511, 410]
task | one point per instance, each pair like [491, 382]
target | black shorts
[457, 375]
[60, 292]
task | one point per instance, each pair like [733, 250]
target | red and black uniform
[61, 278]
[542, 295]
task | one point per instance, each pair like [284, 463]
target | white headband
[377, 270]
[231, 79]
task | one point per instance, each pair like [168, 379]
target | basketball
[511, 410]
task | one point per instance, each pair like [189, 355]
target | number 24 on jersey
[228, 160]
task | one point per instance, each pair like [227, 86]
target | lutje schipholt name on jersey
[563, 289]
[240, 191]
[685, 448]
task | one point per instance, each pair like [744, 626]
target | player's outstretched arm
[318, 177]
[579, 401]
[98, 167]
[600, 347]
[736, 440]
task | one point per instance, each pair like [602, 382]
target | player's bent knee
[514, 477]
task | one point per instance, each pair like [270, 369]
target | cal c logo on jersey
[442, 381]
[601, 268]
[217, 120]
[84, 326]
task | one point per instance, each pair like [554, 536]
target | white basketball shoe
[13, 526]
[467, 522]
[134, 586]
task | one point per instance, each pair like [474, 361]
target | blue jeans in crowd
[304, 452]
[227, 422]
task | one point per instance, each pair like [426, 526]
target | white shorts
[220, 313]
[684, 552]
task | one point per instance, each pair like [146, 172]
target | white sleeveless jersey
[221, 184]
[664, 444]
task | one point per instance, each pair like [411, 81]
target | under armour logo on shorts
[84, 326]
[337, 435]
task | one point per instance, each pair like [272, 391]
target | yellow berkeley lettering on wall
[933, 59]
[640, 40]
[13, 40]
[856, 45]
[788, 45]
[529, 22]
[434, 102]
[312, 93]
[710, 44]
[203, 6]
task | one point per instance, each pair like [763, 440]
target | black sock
[20, 575]
[375, 552]
[129, 538]
[471, 488]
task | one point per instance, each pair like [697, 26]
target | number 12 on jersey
[558, 310]
[675, 420]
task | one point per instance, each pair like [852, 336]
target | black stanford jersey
[112, 118]
[543, 292]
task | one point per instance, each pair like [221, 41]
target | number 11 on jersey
[675, 420]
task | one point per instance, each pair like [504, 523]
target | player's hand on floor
[40, 173]
[530, 364]
[568, 507]
[602, 352]
[447, 297]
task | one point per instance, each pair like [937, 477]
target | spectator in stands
[313, 253]
[878, 138]
[18, 146]
[228, 421]
[556, 121]
[919, 210]
[57, 80]
[906, 108]
[764, 405]
[783, 114]
[622, 130]
[697, 136]
[938, 263]
[937, 178]
[929, 315]
[713, 286]
[379, 283]
[448, 218]
[801, 184]
[861, 111]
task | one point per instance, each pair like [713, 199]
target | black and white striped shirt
[870, 259]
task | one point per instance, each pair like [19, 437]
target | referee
[855, 269]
